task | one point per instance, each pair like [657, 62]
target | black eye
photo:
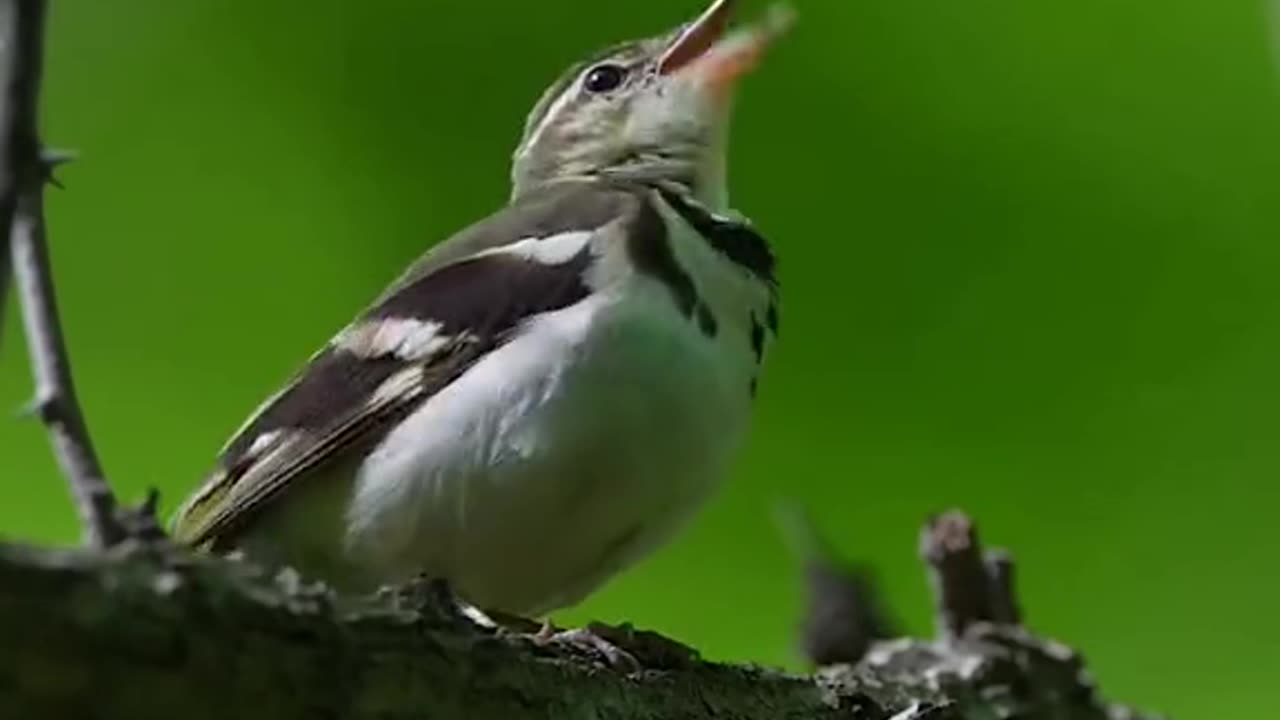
[603, 78]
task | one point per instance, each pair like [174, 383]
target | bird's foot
[621, 647]
[592, 642]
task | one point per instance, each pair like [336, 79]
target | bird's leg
[436, 596]
[545, 633]
[423, 593]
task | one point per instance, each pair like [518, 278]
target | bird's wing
[460, 301]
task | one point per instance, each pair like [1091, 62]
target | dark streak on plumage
[757, 339]
[487, 294]
[707, 321]
[650, 251]
[771, 317]
[554, 209]
[735, 240]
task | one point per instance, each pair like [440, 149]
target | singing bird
[546, 397]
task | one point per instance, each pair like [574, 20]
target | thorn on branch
[141, 521]
[50, 160]
[968, 587]
[46, 407]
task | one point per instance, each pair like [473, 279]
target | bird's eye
[603, 78]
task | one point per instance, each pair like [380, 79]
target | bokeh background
[1031, 268]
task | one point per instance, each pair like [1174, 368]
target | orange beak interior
[706, 48]
[698, 37]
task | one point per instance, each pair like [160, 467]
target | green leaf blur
[1031, 266]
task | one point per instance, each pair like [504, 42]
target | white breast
[568, 453]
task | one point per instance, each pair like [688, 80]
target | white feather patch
[551, 250]
[253, 416]
[550, 117]
[403, 384]
[405, 338]
[262, 442]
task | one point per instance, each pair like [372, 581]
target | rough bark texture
[142, 631]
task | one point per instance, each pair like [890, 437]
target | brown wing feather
[215, 519]
[344, 400]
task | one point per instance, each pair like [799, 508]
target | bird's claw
[622, 647]
[590, 641]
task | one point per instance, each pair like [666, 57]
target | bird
[548, 396]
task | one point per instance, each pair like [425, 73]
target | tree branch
[1000, 577]
[968, 588]
[144, 631]
[13, 97]
[29, 169]
[55, 400]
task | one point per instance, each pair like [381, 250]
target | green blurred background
[1030, 268]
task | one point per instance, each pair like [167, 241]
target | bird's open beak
[706, 49]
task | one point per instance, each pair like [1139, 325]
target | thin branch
[55, 397]
[6, 220]
[14, 92]
[55, 400]
[965, 591]
[1004, 598]
[844, 615]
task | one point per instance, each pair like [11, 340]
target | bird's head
[654, 109]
